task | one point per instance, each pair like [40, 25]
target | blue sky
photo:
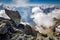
[34, 1]
[45, 1]
[5, 1]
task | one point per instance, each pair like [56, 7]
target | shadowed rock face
[21, 26]
[14, 15]
[23, 32]
[27, 29]
[7, 25]
[10, 32]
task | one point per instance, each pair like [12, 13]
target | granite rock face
[9, 30]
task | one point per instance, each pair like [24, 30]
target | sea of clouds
[44, 20]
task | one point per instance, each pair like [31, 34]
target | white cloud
[41, 18]
[46, 20]
[17, 3]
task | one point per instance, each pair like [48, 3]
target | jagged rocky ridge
[9, 30]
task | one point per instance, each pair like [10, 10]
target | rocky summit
[11, 29]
